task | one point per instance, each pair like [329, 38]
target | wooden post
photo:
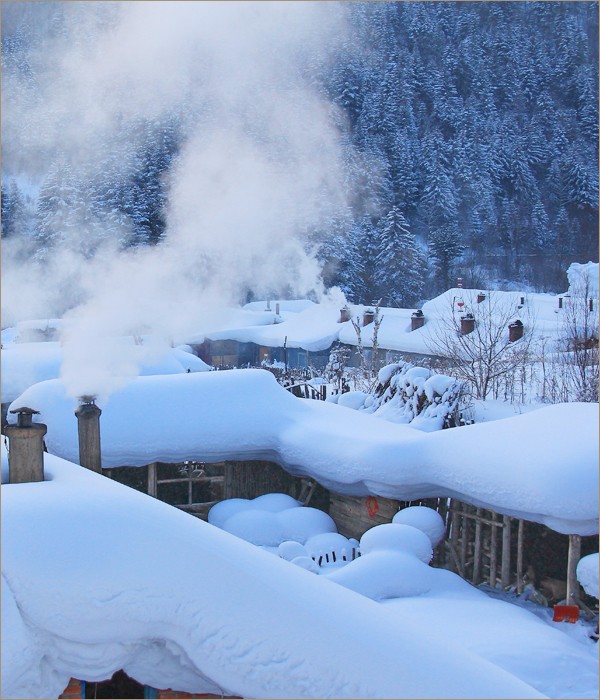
[152, 487]
[477, 549]
[454, 534]
[493, 553]
[573, 560]
[464, 540]
[520, 532]
[505, 564]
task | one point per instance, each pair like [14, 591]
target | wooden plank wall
[354, 515]
[249, 479]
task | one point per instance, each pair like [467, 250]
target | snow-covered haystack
[409, 394]
[269, 520]
[587, 574]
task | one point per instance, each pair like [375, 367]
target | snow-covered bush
[409, 394]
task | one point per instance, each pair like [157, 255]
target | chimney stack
[515, 330]
[417, 320]
[368, 317]
[480, 297]
[26, 451]
[467, 324]
[88, 427]
[344, 315]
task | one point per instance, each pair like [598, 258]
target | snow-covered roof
[98, 577]
[315, 327]
[541, 466]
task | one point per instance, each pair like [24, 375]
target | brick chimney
[26, 447]
[417, 320]
[480, 297]
[88, 428]
[515, 330]
[368, 317]
[344, 315]
[467, 324]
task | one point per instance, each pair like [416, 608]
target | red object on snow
[565, 613]
[372, 505]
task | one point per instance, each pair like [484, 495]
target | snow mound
[330, 548]
[384, 574]
[587, 574]
[425, 519]
[400, 538]
[270, 520]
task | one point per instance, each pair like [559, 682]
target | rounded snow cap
[396, 537]
[425, 519]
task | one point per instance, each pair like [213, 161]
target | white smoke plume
[261, 165]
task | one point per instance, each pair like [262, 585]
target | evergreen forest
[473, 134]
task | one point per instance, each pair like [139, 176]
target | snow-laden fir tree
[400, 262]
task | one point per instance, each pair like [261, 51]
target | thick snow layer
[583, 276]
[425, 519]
[541, 466]
[587, 574]
[396, 537]
[98, 577]
[24, 364]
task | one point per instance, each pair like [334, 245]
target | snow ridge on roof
[541, 466]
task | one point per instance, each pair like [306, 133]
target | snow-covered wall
[541, 466]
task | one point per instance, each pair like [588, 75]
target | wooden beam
[572, 561]
[454, 533]
[520, 534]
[464, 537]
[152, 488]
[505, 564]
[477, 550]
[493, 553]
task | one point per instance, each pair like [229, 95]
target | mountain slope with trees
[473, 130]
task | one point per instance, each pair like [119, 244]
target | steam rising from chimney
[261, 165]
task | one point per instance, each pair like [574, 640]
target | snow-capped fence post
[88, 428]
[26, 447]
[572, 561]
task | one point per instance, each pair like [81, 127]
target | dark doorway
[118, 687]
